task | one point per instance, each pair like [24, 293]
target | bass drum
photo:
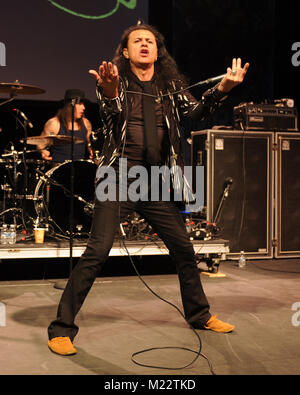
[53, 199]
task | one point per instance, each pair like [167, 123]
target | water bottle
[4, 234]
[242, 260]
[12, 234]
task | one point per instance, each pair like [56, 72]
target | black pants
[168, 223]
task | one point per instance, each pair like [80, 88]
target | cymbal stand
[24, 153]
[4, 188]
[25, 175]
[12, 97]
[14, 154]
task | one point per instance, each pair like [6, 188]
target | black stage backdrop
[205, 35]
[202, 35]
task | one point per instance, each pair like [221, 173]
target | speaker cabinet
[238, 187]
[287, 190]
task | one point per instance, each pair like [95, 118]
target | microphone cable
[199, 352]
[200, 83]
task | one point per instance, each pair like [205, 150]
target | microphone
[229, 181]
[24, 117]
[201, 83]
[227, 185]
[213, 79]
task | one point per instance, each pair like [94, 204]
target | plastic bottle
[4, 234]
[242, 260]
[12, 234]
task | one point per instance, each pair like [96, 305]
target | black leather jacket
[114, 115]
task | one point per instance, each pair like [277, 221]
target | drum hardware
[88, 207]
[7, 191]
[15, 202]
[25, 124]
[44, 196]
[7, 101]
[10, 210]
[8, 154]
[15, 214]
[50, 197]
[12, 159]
[15, 189]
[11, 191]
[14, 89]
[96, 141]
[45, 201]
[6, 188]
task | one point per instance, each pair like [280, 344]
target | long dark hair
[166, 69]
[64, 115]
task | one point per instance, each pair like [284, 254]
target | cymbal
[16, 88]
[52, 140]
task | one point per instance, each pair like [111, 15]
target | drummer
[61, 125]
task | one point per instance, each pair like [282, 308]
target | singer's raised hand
[107, 78]
[234, 76]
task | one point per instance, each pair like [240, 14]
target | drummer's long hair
[166, 69]
[64, 116]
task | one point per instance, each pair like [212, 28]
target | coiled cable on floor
[198, 353]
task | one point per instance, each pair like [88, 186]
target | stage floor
[121, 317]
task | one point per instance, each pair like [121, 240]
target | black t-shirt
[134, 147]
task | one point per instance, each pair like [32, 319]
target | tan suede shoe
[219, 326]
[62, 346]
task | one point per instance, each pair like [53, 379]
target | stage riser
[218, 248]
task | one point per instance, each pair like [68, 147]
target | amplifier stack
[258, 211]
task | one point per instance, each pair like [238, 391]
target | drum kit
[36, 194]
